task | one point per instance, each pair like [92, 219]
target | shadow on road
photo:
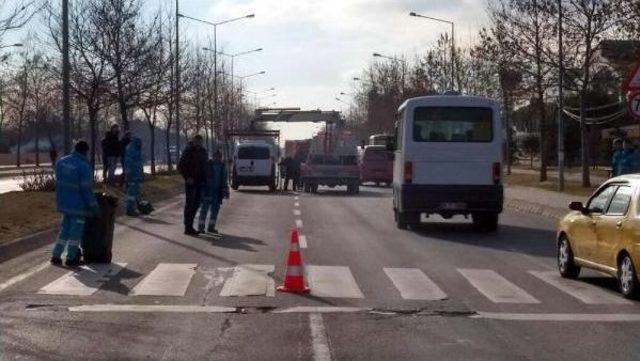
[531, 241]
[343, 193]
[232, 242]
[115, 283]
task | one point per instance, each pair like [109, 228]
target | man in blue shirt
[616, 157]
[75, 200]
[216, 188]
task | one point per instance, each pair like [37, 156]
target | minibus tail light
[408, 172]
[497, 172]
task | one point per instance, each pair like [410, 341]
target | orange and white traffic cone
[294, 276]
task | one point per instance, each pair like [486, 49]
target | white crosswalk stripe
[250, 280]
[167, 279]
[495, 287]
[332, 281]
[84, 282]
[413, 284]
[303, 241]
[581, 290]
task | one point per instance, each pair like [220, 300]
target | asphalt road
[377, 293]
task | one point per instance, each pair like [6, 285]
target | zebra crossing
[245, 280]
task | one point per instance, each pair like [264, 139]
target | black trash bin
[98, 233]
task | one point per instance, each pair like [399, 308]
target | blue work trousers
[133, 192]
[69, 237]
[209, 205]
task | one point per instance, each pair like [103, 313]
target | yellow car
[604, 234]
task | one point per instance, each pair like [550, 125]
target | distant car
[254, 164]
[376, 165]
[448, 160]
[604, 234]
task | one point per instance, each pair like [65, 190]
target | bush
[38, 181]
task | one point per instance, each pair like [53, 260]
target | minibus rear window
[453, 124]
[253, 153]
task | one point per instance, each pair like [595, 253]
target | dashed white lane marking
[413, 284]
[296, 212]
[319, 339]
[302, 239]
[583, 291]
[167, 279]
[250, 280]
[298, 223]
[495, 287]
[332, 281]
[296, 204]
[296, 198]
[578, 317]
[152, 308]
[19, 278]
[84, 282]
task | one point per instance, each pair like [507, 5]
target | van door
[253, 161]
[454, 145]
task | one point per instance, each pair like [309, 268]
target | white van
[448, 160]
[254, 164]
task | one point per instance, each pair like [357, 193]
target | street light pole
[215, 56]
[453, 42]
[177, 85]
[66, 101]
[560, 102]
[402, 62]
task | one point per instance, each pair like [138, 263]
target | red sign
[633, 104]
[632, 82]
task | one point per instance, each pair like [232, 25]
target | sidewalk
[553, 175]
[539, 201]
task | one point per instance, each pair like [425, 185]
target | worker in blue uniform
[76, 202]
[216, 189]
[134, 174]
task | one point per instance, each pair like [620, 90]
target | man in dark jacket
[193, 168]
[111, 153]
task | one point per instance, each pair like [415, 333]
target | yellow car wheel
[566, 263]
[627, 277]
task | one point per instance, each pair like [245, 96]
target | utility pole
[215, 83]
[66, 101]
[177, 86]
[560, 102]
[453, 55]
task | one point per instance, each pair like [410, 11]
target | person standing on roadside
[124, 142]
[616, 157]
[110, 153]
[215, 190]
[193, 168]
[76, 202]
[628, 159]
[134, 173]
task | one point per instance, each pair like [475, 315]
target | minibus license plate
[450, 205]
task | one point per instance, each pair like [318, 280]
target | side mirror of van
[391, 145]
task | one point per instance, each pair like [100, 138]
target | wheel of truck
[314, 188]
[272, 187]
[356, 188]
[350, 188]
[485, 222]
[403, 219]
[234, 185]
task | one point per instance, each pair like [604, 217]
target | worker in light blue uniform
[216, 189]
[628, 161]
[134, 173]
[76, 202]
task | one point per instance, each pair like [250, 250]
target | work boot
[212, 229]
[56, 261]
[133, 213]
[75, 262]
[190, 231]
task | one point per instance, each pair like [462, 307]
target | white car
[254, 164]
[448, 160]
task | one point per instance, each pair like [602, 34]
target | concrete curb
[534, 208]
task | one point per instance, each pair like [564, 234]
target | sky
[314, 48]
